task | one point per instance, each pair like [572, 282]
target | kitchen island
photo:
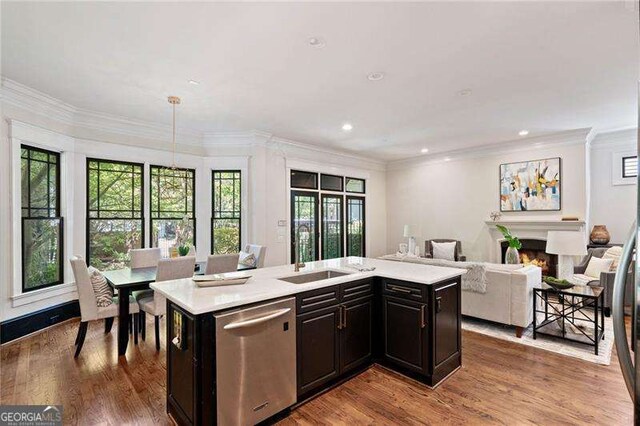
[228, 346]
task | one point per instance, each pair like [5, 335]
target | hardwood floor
[500, 383]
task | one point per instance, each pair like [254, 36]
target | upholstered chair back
[86, 296]
[176, 268]
[259, 252]
[221, 263]
[145, 258]
[428, 248]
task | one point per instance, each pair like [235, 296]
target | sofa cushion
[444, 251]
[596, 266]
[613, 253]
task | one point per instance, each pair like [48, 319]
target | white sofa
[509, 296]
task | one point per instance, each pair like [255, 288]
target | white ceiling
[543, 66]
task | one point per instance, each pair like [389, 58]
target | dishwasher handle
[259, 320]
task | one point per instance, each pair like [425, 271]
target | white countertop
[265, 285]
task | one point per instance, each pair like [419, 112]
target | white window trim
[616, 168]
[22, 133]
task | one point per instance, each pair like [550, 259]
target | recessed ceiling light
[447, 159]
[194, 82]
[375, 76]
[465, 92]
[523, 132]
[424, 150]
[317, 42]
[347, 127]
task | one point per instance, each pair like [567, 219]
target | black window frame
[322, 188]
[624, 160]
[364, 185]
[316, 219]
[193, 202]
[314, 188]
[57, 213]
[89, 210]
[323, 225]
[364, 224]
[213, 206]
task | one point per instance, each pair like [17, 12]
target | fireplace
[533, 253]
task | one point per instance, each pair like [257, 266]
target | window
[42, 225]
[226, 208]
[331, 183]
[304, 180]
[172, 208]
[115, 218]
[327, 222]
[331, 226]
[355, 226]
[355, 185]
[630, 166]
[304, 225]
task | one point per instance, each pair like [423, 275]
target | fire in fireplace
[533, 253]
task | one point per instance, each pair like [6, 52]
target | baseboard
[30, 323]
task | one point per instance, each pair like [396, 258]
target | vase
[512, 257]
[600, 235]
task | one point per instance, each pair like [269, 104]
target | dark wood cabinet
[356, 334]
[405, 333]
[318, 348]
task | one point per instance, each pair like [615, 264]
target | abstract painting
[530, 186]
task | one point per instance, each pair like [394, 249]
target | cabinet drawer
[356, 290]
[404, 290]
[317, 299]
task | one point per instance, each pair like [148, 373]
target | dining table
[127, 280]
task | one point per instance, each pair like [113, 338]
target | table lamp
[566, 244]
[410, 232]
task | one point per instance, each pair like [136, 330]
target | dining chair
[221, 263]
[89, 309]
[144, 258]
[155, 304]
[259, 252]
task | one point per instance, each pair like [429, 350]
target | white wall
[262, 159]
[453, 199]
[613, 200]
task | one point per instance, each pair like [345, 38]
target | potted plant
[512, 256]
[184, 232]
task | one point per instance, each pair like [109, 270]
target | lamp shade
[410, 231]
[570, 243]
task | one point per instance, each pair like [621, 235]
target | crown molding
[564, 138]
[615, 138]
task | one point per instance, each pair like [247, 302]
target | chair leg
[157, 321]
[82, 333]
[136, 323]
[143, 324]
[519, 331]
[108, 323]
[130, 323]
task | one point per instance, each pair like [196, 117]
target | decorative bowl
[557, 283]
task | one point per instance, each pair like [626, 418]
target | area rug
[551, 344]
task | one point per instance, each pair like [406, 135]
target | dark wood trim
[30, 323]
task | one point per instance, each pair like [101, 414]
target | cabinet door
[318, 348]
[446, 328]
[355, 337]
[182, 364]
[404, 333]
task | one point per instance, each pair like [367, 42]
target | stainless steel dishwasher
[255, 362]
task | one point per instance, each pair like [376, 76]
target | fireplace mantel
[541, 225]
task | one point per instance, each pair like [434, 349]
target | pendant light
[174, 100]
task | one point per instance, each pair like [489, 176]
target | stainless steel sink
[313, 276]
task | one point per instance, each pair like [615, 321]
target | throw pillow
[596, 266]
[445, 251]
[247, 259]
[613, 253]
[102, 290]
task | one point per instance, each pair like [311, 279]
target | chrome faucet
[296, 246]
